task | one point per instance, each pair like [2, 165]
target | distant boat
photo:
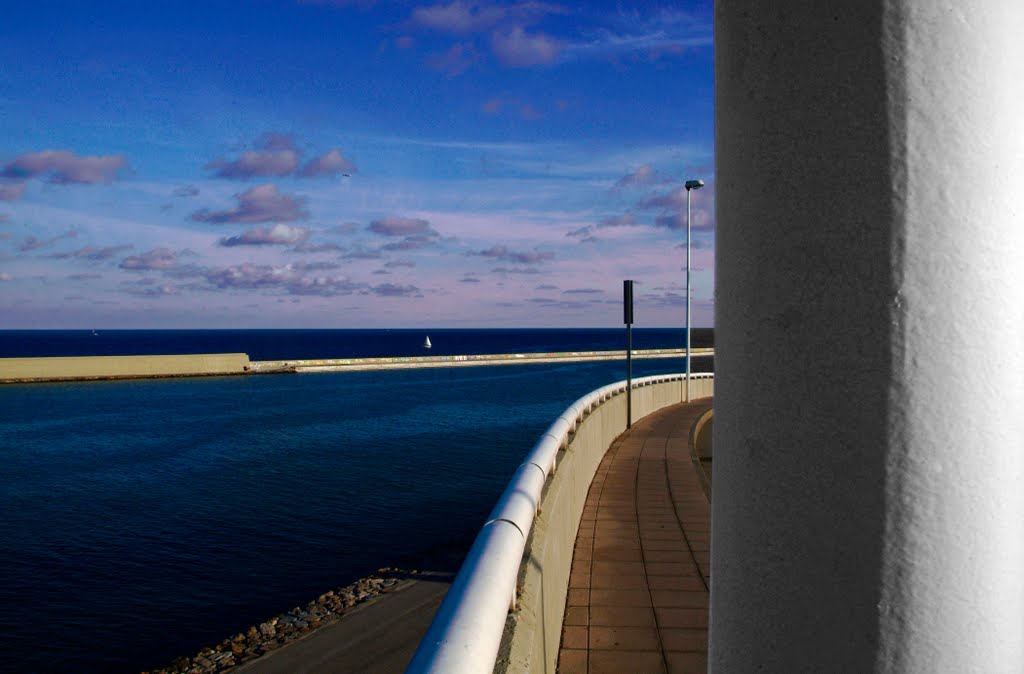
[95, 334]
[426, 344]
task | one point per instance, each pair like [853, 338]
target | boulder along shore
[292, 625]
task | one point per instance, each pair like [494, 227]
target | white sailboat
[426, 344]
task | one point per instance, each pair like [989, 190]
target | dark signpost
[627, 318]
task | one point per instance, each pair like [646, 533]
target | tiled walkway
[638, 592]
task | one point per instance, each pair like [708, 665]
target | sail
[426, 344]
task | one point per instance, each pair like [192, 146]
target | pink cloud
[278, 235]
[262, 203]
[516, 48]
[643, 175]
[492, 106]
[253, 164]
[520, 257]
[275, 155]
[392, 290]
[11, 191]
[398, 226]
[158, 258]
[93, 253]
[527, 111]
[331, 163]
[291, 279]
[64, 167]
[33, 243]
[458, 17]
[676, 221]
[673, 199]
[455, 61]
[624, 220]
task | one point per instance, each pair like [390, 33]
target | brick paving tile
[621, 662]
[690, 618]
[618, 638]
[622, 616]
[618, 581]
[678, 639]
[678, 597]
[574, 636]
[572, 661]
[638, 595]
[579, 581]
[620, 597]
[577, 615]
[686, 663]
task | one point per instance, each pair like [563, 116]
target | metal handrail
[466, 631]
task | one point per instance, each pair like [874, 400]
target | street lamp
[690, 185]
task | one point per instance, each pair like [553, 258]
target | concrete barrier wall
[120, 367]
[425, 361]
[534, 631]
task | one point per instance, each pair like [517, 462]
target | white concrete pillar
[869, 412]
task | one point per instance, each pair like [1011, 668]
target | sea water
[142, 520]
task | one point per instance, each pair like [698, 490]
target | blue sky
[353, 163]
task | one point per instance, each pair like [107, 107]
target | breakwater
[75, 368]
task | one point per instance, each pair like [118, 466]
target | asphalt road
[379, 636]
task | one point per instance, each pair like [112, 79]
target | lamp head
[694, 184]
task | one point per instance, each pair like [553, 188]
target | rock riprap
[287, 627]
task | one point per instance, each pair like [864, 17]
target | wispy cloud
[503, 253]
[64, 167]
[276, 155]
[456, 60]
[392, 290]
[329, 164]
[641, 176]
[156, 259]
[11, 191]
[33, 243]
[255, 164]
[403, 262]
[399, 226]
[93, 253]
[517, 48]
[415, 233]
[458, 17]
[262, 203]
[278, 235]
[290, 279]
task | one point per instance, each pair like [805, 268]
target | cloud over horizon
[278, 235]
[277, 156]
[263, 203]
[500, 252]
[64, 167]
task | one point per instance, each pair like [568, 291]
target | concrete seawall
[83, 368]
[72, 368]
[413, 362]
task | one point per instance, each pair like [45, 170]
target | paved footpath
[379, 636]
[638, 592]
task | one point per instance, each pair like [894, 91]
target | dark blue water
[311, 344]
[143, 520]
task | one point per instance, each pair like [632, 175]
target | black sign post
[627, 318]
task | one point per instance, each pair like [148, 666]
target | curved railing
[467, 630]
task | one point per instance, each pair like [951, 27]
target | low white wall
[533, 632]
[120, 367]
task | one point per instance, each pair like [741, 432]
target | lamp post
[690, 185]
